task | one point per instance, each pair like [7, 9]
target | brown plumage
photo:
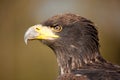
[77, 49]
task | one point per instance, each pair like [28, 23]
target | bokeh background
[36, 61]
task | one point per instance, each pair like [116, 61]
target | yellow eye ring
[57, 28]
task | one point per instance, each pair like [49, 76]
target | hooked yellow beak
[39, 32]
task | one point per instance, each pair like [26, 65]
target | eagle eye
[56, 28]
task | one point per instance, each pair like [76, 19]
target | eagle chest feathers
[75, 42]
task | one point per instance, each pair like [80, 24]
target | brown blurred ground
[36, 61]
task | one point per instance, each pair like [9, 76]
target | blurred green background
[36, 61]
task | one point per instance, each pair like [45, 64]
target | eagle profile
[74, 40]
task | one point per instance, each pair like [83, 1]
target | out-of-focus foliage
[36, 61]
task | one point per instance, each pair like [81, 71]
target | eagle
[74, 40]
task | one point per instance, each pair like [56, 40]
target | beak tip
[26, 42]
[27, 35]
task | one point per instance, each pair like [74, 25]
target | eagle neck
[72, 57]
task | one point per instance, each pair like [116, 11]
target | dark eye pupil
[57, 27]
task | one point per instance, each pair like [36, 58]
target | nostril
[37, 28]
